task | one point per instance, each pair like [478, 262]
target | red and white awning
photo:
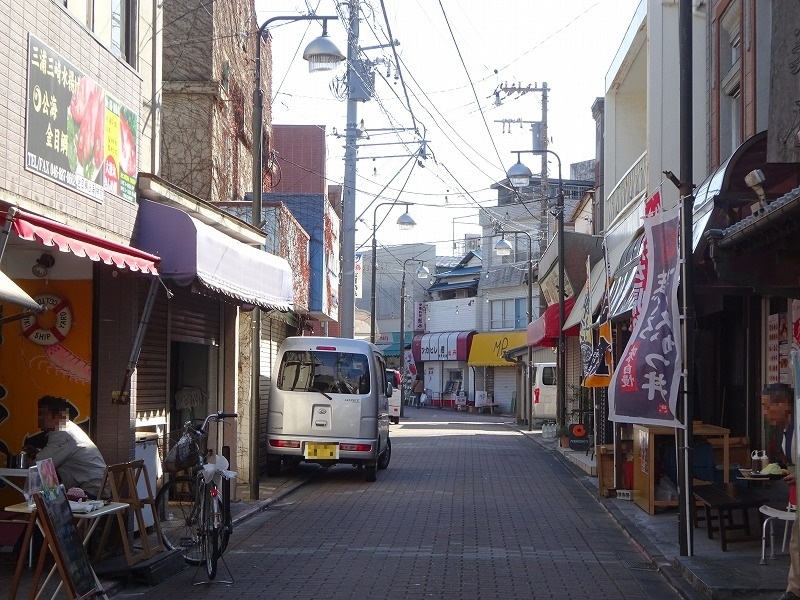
[68, 239]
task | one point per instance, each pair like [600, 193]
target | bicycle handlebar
[217, 416]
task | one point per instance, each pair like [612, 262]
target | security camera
[754, 178]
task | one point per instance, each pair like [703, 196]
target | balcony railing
[630, 186]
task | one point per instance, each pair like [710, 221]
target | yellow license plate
[322, 451]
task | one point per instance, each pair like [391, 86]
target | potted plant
[562, 433]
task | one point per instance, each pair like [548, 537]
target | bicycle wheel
[224, 534]
[210, 541]
[178, 514]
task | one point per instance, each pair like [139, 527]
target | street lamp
[322, 55]
[504, 248]
[422, 273]
[520, 176]
[405, 222]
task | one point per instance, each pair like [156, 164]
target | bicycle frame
[202, 532]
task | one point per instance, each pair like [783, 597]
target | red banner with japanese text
[651, 207]
[644, 388]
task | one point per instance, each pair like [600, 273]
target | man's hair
[54, 405]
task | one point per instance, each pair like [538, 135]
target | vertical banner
[644, 388]
[651, 207]
[585, 336]
[602, 360]
[358, 273]
[420, 315]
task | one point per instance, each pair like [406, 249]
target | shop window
[112, 21]
[502, 314]
[730, 97]
[511, 313]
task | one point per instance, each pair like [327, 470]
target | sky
[453, 55]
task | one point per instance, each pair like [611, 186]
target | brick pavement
[468, 509]
[472, 506]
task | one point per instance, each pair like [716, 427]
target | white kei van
[329, 404]
[544, 391]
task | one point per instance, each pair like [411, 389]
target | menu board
[65, 542]
[76, 133]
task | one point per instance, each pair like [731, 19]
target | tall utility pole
[539, 144]
[347, 296]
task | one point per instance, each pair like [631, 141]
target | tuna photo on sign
[76, 134]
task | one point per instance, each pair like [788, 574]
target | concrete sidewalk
[710, 571]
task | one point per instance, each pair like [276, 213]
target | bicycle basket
[184, 450]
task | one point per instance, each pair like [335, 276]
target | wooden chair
[122, 481]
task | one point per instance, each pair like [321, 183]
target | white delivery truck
[329, 404]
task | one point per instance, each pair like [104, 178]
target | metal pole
[373, 282]
[527, 400]
[402, 339]
[562, 342]
[544, 226]
[529, 368]
[255, 217]
[684, 436]
[347, 297]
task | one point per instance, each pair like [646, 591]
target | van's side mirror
[389, 390]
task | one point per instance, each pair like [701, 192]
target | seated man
[77, 460]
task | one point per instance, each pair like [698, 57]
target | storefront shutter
[151, 370]
[194, 318]
[505, 386]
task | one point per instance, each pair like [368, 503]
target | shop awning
[192, 251]
[68, 239]
[460, 285]
[488, 348]
[448, 345]
[13, 294]
[389, 349]
[597, 288]
[544, 330]
[621, 298]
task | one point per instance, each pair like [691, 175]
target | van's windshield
[321, 371]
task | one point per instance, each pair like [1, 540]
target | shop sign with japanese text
[644, 387]
[76, 133]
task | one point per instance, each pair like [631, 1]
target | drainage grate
[640, 566]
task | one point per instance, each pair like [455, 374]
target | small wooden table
[724, 499]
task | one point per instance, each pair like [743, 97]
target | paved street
[469, 509]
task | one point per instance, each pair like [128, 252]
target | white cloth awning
[192, 251]
[12, 293]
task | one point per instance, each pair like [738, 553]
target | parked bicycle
[194, 510]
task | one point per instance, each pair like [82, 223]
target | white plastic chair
[788, 516]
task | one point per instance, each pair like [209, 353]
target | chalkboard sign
[65, 543]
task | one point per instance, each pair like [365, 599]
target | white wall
[442, 315]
